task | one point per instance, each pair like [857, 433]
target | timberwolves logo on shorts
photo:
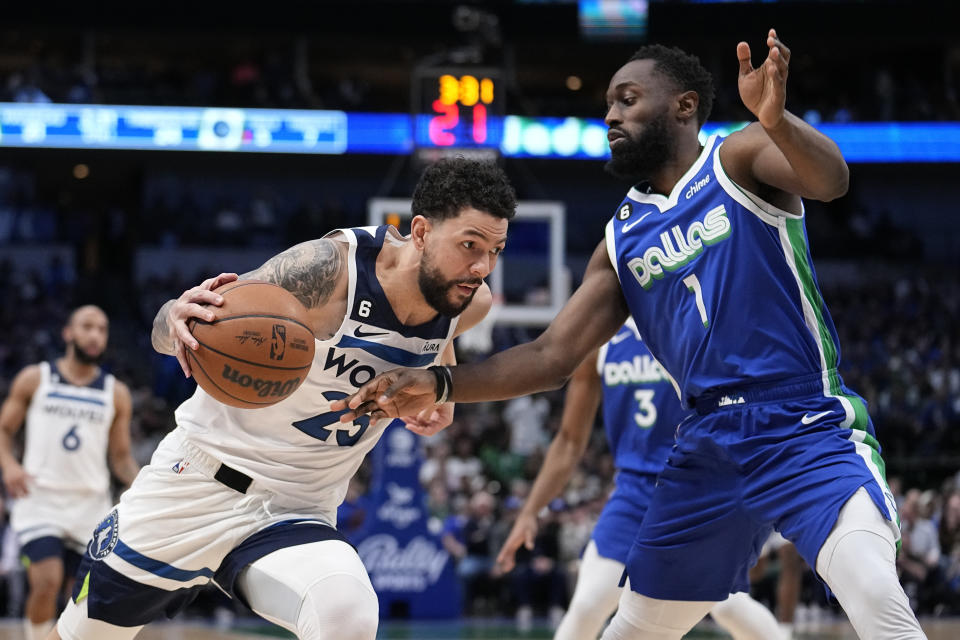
[105, 537]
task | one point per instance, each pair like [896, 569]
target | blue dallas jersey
[722, 287]
[641, 410]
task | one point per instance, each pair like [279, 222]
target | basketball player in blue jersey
[248, 498]
[77, 420]
[708, 253]
[641, 412]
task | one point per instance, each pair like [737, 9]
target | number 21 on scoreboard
[454, 93]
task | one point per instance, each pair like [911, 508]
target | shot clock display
[458, 107]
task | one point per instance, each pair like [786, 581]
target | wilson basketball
[257, 350]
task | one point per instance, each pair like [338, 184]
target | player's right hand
[16, 480]
[394, 394]
[431, 420]
[524, 532]
[193, 304]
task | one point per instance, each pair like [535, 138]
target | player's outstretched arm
[12, 413]
[579, 409]
[434, 419]
[594, 313]
[781, 150]
[438, 417]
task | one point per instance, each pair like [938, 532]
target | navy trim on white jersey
[64, 396]
[377, 310]
[98, 383]
[396, 355]
[158, 567]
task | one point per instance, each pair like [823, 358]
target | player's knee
[856, 548]
[862, 569]
[341, 607]
[591, 604]
[46, 585]
[652, 619]
[724, 610]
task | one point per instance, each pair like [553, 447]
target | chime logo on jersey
[105, 537]
[678, 247]
[699, 184]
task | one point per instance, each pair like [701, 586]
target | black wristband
[448, 381]
[444, 382]
[441, 382]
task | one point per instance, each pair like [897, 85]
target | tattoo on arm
[160, 336]
[309, 270]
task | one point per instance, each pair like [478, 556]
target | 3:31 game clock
[457, 107]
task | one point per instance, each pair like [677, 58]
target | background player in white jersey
[640, 414]
[248, 498]
[77, 420]
[708, 253]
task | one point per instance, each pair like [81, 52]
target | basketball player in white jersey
[77, 419]
[248, 498]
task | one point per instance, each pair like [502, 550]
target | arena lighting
[70, 126]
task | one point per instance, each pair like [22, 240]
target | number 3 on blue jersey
[647, 413]
[317, 425]
[693, 285]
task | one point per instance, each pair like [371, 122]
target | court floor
[936, 629]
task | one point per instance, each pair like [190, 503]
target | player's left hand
[396, 393]
[431, 420]
[764, 89]
[524, 532]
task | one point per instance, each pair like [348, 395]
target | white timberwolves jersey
[67, 432]
[297, 448]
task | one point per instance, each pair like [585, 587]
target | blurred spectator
[539, 580]
[950, 547]
[526, 417]
[467, 538]
[463, 467]
[434, 468]
[919, 559]
[352, 513]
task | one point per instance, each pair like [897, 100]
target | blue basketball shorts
[746, 463]
[620, 519]
[51, 547]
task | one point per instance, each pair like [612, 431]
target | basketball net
[479, 339]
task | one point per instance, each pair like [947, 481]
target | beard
[638, 158]
[83, 357]
[435, 289]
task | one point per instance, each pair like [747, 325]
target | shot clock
[457, 108]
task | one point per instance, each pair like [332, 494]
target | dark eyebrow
[622, 85]
[480, 234]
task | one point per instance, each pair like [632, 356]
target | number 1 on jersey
[693, 285]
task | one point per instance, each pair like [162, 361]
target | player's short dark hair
[684, 70]
[452, 184]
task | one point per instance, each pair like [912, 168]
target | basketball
[258, 349]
